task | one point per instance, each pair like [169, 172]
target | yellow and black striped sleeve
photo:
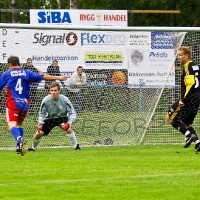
[191, 78]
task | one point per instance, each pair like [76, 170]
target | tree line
[189, 10]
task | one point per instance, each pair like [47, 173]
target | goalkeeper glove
[65, 126]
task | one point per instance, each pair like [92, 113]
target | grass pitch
[111, 172]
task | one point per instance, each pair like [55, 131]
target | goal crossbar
[89, 28]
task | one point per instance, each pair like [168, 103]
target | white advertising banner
[150, 67]
[79, 17]
[146, 56]
[150, 56]
[92, 50]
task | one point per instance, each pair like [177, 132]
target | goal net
[132, 78]
[159, 131]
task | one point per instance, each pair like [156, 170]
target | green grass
[125, 172]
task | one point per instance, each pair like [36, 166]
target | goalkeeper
[55, 110]
[181, 114]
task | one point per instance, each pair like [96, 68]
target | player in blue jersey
[55, 110]
[17, 80]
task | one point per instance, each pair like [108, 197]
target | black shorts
[187, 113]
[49, 124]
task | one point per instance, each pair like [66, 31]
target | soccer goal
[132, 73]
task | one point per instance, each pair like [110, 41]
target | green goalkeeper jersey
[62, 107]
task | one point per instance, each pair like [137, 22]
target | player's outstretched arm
[49, 77]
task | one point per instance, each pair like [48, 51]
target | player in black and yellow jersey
[181, 114]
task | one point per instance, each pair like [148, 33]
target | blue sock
[21, 130]
[16, 133]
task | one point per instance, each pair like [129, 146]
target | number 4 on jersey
[18, 86]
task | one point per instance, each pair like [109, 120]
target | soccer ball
[118, 78]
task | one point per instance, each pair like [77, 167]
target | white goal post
[132, 78]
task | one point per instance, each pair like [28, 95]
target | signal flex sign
[79, 17]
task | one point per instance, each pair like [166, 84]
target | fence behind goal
[132, 78]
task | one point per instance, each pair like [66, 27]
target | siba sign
[79, 17]
[54, 17]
